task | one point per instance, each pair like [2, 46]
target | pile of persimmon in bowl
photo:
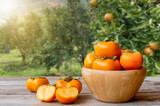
[112, 74]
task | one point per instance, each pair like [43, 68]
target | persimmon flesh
[67, 94]
[46, 93]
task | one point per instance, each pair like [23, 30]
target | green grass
[14, 56]
[10, 65]
[71, 68]
[38, 71]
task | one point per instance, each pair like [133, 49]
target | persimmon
[94, 3]
[69, 82]
[88, 61]
[125, 50]
[154, 46]
[107, 64]
[107, 49]
[109, 17]
[148, 51]
[46, 93]
[131, 61]
[33, 84]
[66, 94]
[118, 65]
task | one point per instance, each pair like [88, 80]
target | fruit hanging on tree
[109, 17]
[94, 3]
[148, 51]
[154, 45]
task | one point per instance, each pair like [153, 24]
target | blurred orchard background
[52, 37]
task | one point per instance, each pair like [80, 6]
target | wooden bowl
[113, 86]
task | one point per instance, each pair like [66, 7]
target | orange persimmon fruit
[118, 65]
[125, 50]
[33, 84]
[69, 82]
[148, 51]
[107, 64]
[154, 45]
[94, 3]
[107, 49]
[131, 61]
[88, 61]
[109, 17]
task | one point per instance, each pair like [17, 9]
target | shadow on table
[146, 96]
[82, 99]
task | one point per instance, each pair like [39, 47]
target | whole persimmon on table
[13, 92]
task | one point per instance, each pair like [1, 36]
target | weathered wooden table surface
[13, 92]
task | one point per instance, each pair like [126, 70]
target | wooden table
[13, 92]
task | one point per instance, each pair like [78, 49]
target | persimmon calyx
[32, 78]
[113, 58]
[106, 40]
[37, 77]
[104, 58]
[96, 57]
[69, 78]
[129, 51]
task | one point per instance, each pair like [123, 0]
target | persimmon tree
[29, 35]
[24, 35]
[67, 34]
[135, 23]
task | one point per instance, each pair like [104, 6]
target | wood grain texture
[114, 86]
[13, 92]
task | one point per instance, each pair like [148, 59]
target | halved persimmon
[46, 93]
[67, 94]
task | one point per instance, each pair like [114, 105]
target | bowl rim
[142, 67]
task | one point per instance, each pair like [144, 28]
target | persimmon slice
[46, 93]
[67, 94]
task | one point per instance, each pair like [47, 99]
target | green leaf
[157, 65]
[150, 21]
[133, 47]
